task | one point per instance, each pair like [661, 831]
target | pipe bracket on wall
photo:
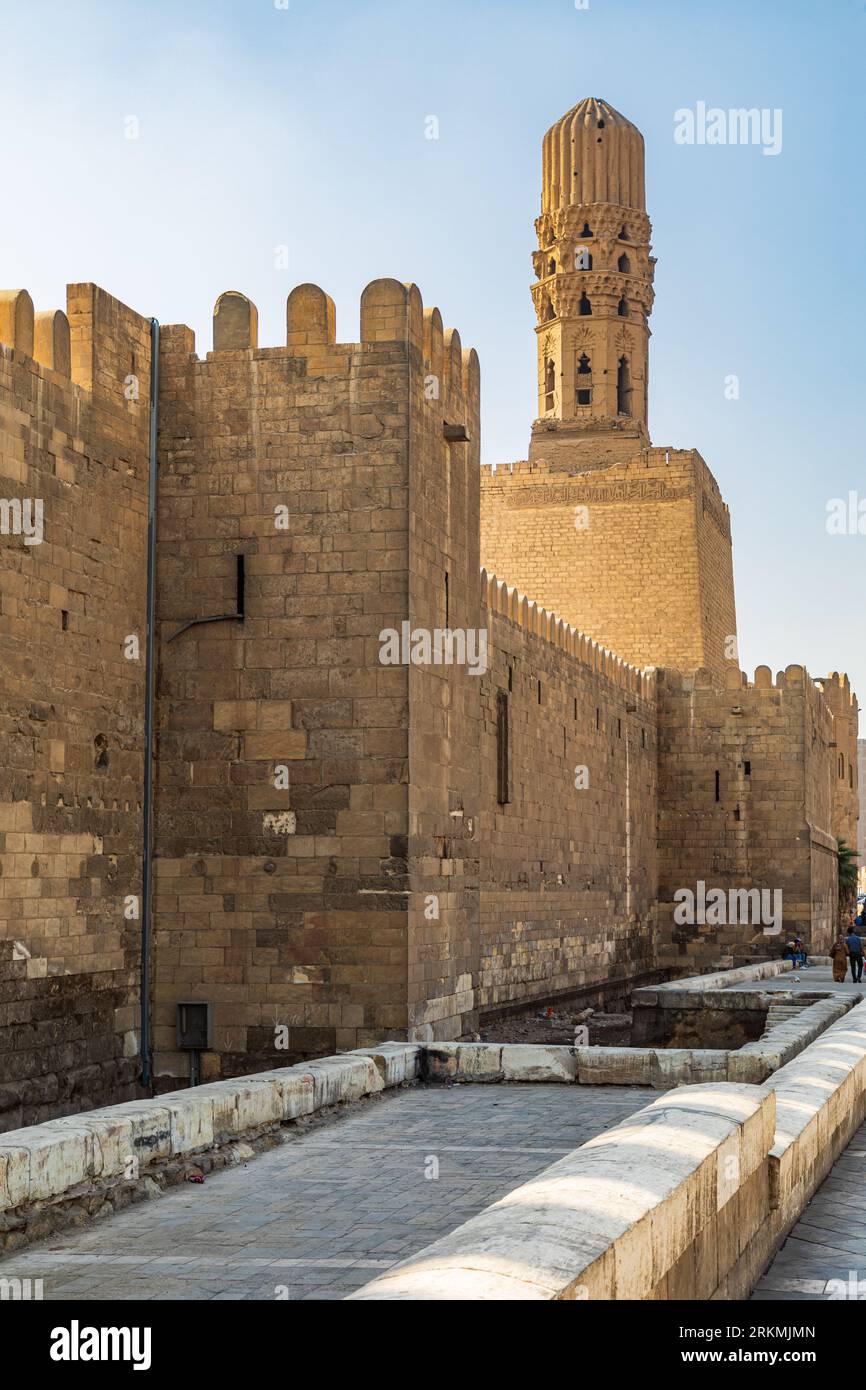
[239, 613]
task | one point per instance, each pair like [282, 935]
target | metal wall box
[195, 1027]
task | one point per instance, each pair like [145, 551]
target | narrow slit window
[718, 786]
[240, 585]
[549, 385]
[623, 387]
[502, 748]
[583, 384]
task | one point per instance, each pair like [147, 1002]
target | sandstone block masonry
[636, 553]
[73, 455]
[312, 793]
[747, 799]
[567, 826]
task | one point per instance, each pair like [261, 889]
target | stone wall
[282, 807]
[637, 554]
[444, 699]
[568, 863]
[745, 803]
[842, 703]
[73, 438]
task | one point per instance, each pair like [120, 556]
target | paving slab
[325, 1213]
[824, 1245]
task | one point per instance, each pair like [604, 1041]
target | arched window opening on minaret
[584, 381]
[623, 388]
[582, 259]
[623, 265]
[587, 230]
[549, 384]
[584, 308]
[624, 236]
[622, 309]
[551, 266]
[547, 311]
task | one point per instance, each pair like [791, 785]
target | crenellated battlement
[838, 693]
[96, 331]
[764, 682]
[391, 312]
[97, 346]
[734, 679]
[501, 598]
[44, 336]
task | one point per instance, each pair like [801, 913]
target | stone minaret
[593, 291]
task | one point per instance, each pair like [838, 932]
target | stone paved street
[325, 1213]
[816, 978]
[829, 1240]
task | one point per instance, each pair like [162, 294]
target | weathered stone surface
[58, 1158]
[345, 1078]
[537, 1062]
[500, 1062]
[242, 1104]
[615, 1066]
[397, 1062]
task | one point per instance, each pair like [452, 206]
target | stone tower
[630, 544]
[593, 289]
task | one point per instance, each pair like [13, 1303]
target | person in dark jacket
[855, 955]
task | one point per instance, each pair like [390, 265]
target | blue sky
[262, 127]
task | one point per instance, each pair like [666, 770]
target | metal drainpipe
[147, 851]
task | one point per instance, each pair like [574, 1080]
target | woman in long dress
[839, 957]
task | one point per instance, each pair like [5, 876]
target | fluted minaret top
[593, 155]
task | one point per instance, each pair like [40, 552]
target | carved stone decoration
[624, 490]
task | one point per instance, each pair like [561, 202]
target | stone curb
[719, 980]
[47, 1162]
[821, 1103]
